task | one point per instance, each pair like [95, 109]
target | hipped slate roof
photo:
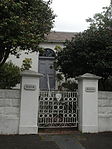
[59, 36]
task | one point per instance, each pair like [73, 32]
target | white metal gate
[57, 109]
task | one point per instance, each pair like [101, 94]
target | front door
[46, 67]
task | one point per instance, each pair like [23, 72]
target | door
[46, 67]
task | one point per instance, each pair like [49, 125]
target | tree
[91, 50]
[23, 24]
[9, 75]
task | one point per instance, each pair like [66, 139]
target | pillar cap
[89, 76]
[31, 73]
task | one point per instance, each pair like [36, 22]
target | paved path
[39, 142]
[63, 141]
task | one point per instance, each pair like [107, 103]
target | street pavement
[25, 142]
[95, 141]
[76, 140]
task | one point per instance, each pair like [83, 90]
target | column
[88, 103]
[29, 102]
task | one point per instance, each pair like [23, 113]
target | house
[44, 63]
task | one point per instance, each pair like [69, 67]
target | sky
[72, 14]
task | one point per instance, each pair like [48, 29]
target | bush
[9, 75]
[70, 85]
[105, 86]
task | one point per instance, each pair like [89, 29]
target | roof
[59, 36]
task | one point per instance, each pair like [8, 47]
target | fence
[19, 108]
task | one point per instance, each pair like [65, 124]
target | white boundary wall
[19, 108]
[9, 111]
[104, 111]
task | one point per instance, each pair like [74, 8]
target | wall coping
[30, 73]
[88, 76]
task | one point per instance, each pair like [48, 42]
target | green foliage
[107, 85]
[27, 62]
[58, 48]
[59, 77]
[70, 85]
[101, 20]
[23, 24]
[9, 75]
[91, 50]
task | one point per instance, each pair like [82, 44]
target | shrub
[9, 75]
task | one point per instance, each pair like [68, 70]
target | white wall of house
[33, 56]
[18, 61]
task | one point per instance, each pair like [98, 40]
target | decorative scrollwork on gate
[57, 111]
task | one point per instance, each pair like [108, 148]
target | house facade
[44, 63]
